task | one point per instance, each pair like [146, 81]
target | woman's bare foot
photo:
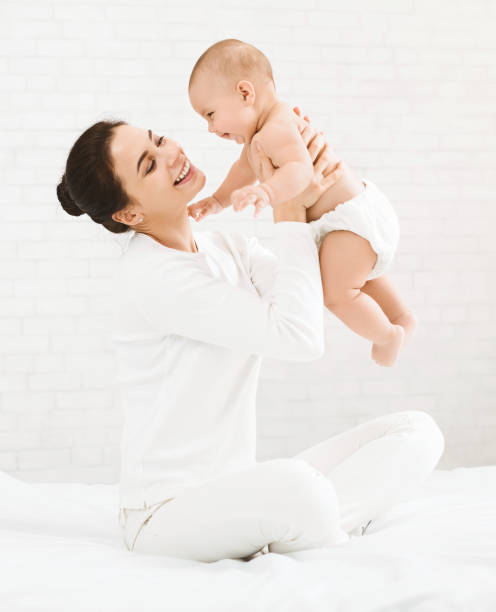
[408, 322]
[385, 354]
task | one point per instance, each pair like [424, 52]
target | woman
[194, 314]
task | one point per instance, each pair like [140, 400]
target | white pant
[313, 500]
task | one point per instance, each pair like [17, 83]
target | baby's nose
[211, 127]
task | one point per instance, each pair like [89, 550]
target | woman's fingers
[332, 176]
[322, 163]
[307, 134]
[316, 147]
[297, 111]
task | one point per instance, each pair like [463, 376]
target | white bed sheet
[61, 550]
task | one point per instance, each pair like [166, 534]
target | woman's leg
[283, 503]
[378, 463]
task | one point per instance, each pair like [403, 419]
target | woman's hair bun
[66, 200]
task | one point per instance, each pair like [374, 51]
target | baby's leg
[346, 259]
[384, 293]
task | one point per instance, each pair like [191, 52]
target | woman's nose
[172, 156]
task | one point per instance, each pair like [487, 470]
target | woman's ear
[247, 91]
[128, 215]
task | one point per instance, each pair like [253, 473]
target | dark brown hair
[89, 184]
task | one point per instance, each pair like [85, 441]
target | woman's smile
[187, 172]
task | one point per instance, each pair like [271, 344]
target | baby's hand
[252, 194]
[208, 206]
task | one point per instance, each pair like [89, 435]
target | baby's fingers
[250, 199]
[259, 206]
[236, 200]
[198, 212]
[242, 203]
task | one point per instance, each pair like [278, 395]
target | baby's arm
[239, 175]
[283, 144]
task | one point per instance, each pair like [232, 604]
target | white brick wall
[406, 92]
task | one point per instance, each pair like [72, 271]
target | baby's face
[223, 108]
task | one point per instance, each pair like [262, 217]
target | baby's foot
[386, 353]
[408, 322]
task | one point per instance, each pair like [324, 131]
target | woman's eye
[150, 167]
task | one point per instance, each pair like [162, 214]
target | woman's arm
[185, 297]
[282, 318]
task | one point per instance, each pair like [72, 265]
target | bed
[61, 550]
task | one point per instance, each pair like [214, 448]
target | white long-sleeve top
[190, 332]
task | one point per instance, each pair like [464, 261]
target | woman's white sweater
[190, 332]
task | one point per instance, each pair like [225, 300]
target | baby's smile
[228, 136]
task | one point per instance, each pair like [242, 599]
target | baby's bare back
[346, 188]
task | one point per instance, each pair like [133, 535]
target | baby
[354, 224]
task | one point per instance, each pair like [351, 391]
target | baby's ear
[246, 90]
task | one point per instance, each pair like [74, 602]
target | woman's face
[155, 172]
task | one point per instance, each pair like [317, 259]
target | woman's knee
[298, 474]
[311, 512]
[309, 493]
[424, 427]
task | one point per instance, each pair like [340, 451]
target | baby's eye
[210, 113]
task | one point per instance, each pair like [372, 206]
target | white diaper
[370, 215]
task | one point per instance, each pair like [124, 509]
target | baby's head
[229, 86]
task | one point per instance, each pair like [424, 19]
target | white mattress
[60, 550]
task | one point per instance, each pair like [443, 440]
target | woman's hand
[325, 174]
